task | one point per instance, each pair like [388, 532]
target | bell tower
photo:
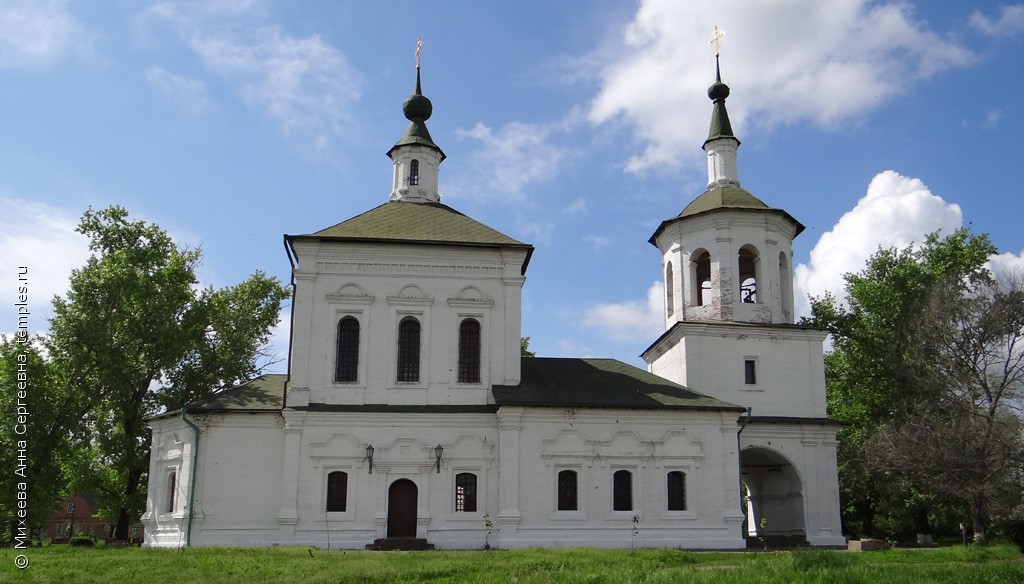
[727, 256]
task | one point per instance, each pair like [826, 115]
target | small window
[171, 491]
[347, 366]
[567, 498]
[669, 291]
[622, 490]
[469, 351]
[677, 491]
[337, 491]
[465, 492]
[414, 173]
[750, 371]
[409, 349]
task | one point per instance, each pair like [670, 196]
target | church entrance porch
[401, 534]
[774, 499]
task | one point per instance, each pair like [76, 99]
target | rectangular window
[677, 491]
[465, 492]
[750, 371]
[337, 491]
[171, 491]
[622, 490]
[567, 496]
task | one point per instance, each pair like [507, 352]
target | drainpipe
[291, 327]
[191, 476]
[746, 419]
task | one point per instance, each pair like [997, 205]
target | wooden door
[402, 509]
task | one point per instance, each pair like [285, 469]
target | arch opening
[774, 496]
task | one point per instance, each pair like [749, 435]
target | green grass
[994, 564]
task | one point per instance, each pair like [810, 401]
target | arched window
[676, 491]
[465, 492]
[337, 491]
[409, 349]
[346, 367]
[747, 263]
[414, 173]
[701, 277]
[171, 491]
[622, 491]
[567, 499]
[669, 291]
[469, 351]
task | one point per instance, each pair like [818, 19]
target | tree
[136, 335]
[870, 374]
[966, 442]
[524, 348]
[53, 412]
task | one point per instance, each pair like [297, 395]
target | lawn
[1002, 564]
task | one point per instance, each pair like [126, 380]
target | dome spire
[721, 144]
[415, 156]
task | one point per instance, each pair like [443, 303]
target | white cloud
[597, 242]
[895, 212]
[824, 62]
[1006, 266]
[41, 238]
[1010, 22]
[37, 33]
[187, 93]
[303, 83]
[277, 348]
[631, 320]
[509, 159]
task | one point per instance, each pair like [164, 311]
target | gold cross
[419, 45]
[716, 39]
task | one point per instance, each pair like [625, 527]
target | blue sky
[572, 126]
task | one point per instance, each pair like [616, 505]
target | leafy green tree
[966, 441]
[524, 348]
[870, 374]
[136, 334]
[53, 413]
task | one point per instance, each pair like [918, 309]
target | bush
[1014, 531]
[81, 541]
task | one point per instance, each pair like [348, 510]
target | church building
[408, 417]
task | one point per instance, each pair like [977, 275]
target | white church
[408, 418]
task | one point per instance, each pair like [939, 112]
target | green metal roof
[417, 222]
[265, 393]
[724, 199]
[599, 383]
[420, 223]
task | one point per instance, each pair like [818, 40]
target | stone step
[400, 543]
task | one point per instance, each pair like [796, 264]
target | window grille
[567, 498]
[409, 349]
[465, 492]
[469, 351]
[347, 367]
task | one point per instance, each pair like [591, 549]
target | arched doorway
[402, 497]
[775, 502]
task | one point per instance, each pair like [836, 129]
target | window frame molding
[349, 513]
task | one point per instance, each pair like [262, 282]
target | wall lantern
[369, 456]
[438, 451]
